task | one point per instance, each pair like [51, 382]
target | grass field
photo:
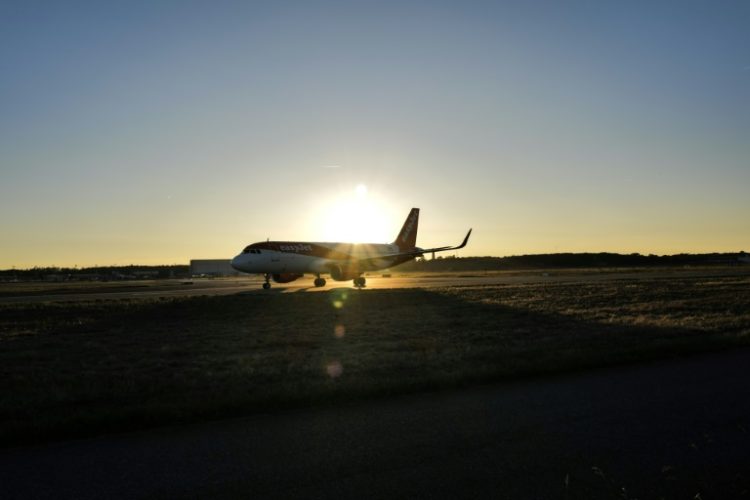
[87, 367]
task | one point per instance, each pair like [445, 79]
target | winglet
[466, 240]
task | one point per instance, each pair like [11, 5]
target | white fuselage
[310, 257]
[286, 261]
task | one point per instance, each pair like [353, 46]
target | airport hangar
[212, 267]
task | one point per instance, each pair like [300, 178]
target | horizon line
[132, 264]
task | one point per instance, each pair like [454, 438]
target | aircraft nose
[235, 262]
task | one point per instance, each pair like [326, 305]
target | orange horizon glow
[360, 213]
[172, 133]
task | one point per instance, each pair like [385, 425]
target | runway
[676, 429]
[673, 429]
[56, 292]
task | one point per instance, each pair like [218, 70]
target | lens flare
[338, 298]
[339, 331]
[334, 369]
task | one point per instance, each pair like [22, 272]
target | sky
[158, 132]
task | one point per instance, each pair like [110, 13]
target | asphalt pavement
[52, 292]
[673, 429]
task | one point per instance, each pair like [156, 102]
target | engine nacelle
[285, 277]
[343, 274]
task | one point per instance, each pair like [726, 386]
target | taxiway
[252, 284]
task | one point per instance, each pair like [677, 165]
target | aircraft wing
[412, 253]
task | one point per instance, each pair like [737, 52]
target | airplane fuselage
[341, 259]
[286, 261]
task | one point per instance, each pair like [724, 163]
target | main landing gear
[267, 284]
[319, 281]
[360, 281]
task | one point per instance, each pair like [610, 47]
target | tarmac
[54, 292]
[674, 429]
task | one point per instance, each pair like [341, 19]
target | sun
[357, 215]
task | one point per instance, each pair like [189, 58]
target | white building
[212, 267]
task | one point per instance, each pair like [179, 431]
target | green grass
[81, 368]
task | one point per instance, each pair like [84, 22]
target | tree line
[570, 260]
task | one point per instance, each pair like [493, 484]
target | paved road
[252, 284]
[677, 429]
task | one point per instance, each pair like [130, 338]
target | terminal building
[212, 267]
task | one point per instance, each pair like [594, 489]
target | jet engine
[343, 274]
[285, 277]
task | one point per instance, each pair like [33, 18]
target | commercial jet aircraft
[286, 261]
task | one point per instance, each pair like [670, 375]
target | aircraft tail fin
[407, 237]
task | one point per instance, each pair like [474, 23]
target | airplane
[286, 261]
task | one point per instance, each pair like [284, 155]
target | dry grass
[86, 367]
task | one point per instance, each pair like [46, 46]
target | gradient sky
[157, 132]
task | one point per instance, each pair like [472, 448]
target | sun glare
[356, 216]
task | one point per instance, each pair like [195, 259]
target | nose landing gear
[319, 281]
[267, 284]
